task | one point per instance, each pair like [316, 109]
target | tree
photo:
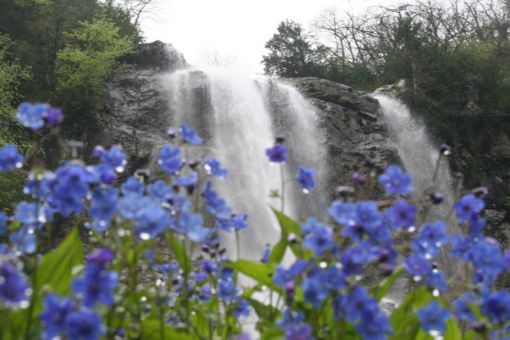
[90, 57]
[291, 54]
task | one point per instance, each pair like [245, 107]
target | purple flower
[14, 288]
[32, 115]
[306, 178]
[170, 159]
[402, 215]
[467, 206]
[189, 135]
[54, 116]
[277, 154]
[298, 332]
[213, 167]
[433, 318]
[84, 324]
[395, 181]
[54, 316]
[100, 257]
[10, 158]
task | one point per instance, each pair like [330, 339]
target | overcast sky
[234, 30]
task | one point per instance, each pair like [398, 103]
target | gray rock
[357, 139]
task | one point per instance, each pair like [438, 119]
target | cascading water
[241, 116]
[418, 154]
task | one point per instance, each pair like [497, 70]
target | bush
[125, 285]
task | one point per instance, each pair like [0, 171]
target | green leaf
[288, 225]
[263, 311]
[452, 330]
[56, 267]
[262, 273]
[404, 321]
[152, 330]
[278, 251]
[180, 253]
[384, 287]
[273, 334]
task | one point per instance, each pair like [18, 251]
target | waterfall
[241, 116]
[416, 150]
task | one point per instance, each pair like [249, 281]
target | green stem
[282, 194]
[32, 298]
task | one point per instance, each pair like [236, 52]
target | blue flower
[467, 206]
[343, 213]
[314, 290]
[24, 240]
[102, 208]
[402, 215]
[189, 135]
[100, 257]
[277, 154]
[215, 204]
[487, 258]
[30, 214]
[54, 316]
[354, 258]
[431, 238]
[191, 225]
[151, 221]
[159, 190]
[436, 280]
[433, 318]
[213, 167]
[113, 158]
[188, 181]
[170, 159]
[497, 306]
[319, 240]
[300, 331]
[14, 287]
[132, 185]
[84, 324]
[417, 266]
[365, 221]
[358, 303]
[282, 275]
[32, 115]
[3, 223]
[462, 308]
[306, 178]
[395, 181]
[242, 309]
[10, 158]
[69, 187]
[96, 285]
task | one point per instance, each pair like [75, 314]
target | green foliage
[291, 54]
[89, 58]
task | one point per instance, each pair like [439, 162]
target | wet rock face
[356, 137]
[134, 111]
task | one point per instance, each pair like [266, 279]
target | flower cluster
[157, 264]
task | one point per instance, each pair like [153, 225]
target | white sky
[234, 30]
